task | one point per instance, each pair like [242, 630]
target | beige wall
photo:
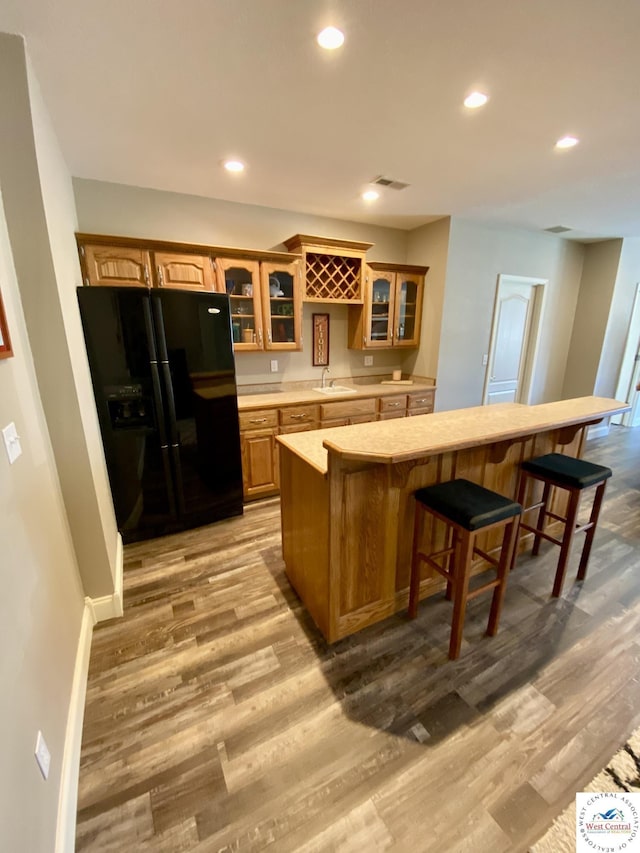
[627, 279]
[478, 254]
[42, 599]
[597, 286]
[105, 208]
[429, 246]
[41, 220]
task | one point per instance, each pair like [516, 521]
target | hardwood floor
[217, 719]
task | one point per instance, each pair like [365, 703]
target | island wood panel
[305, 534]
[369, 519]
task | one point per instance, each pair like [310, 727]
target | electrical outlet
[274, 365]
[368, 361]
[485, 359]
[12, 442]
[43, 756]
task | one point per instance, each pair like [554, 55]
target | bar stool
[467, 509]
[558, 471]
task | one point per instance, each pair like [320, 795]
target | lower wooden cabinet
[420, 402]
[259, 449]
[259, 428]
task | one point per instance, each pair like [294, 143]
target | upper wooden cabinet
[184, 271]
[391, 315]
[240, 280]
[281, 285]
[266, 302]
[264, 287]
[333, 269]
[120, 266]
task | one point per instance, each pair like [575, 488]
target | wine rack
[333, 268]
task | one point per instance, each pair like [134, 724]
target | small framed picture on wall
[320, 340]
[5, 340]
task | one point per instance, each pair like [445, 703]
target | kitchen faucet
[325, 370]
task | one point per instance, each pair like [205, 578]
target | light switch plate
[43, 756]
[368, 361]
[274, 365]
[12, 442]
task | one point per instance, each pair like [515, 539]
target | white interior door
[513, 333]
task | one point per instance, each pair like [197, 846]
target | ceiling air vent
[557, 229]
[381, 181]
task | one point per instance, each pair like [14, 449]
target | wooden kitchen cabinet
[116, 266]
[344, 412]
[420, 402]
[281, 286]
[392, 407]
[391, 314]
[258, 446]
[266, 303]
[333, 269]
[240, 280]
[183, 271]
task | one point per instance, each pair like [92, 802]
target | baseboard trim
[111, 606]
[68, 802]
[598, 430]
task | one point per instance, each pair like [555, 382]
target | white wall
[477, 255]
[105, 208]
[42, 599]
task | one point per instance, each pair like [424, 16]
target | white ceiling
[155, 93]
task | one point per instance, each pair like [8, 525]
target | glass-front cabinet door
[408, 309]
[281, 305]
[379, 309]
[240, 280]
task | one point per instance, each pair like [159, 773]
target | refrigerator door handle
[157, 399]
[171, 406]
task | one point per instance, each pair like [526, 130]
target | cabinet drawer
[421, 400]
[334, 422]
[362, 419]
[413, 412]
[347, 408]
[258, 419]
[392, 404]
[387, 416]
[297, 415]
[301, 427]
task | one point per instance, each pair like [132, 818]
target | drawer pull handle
[298, 417]
[393, 405]
[258, 421]
[420, 401]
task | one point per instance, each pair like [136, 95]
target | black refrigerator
[163, 375]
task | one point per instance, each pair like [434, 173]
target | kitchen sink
[335, 389]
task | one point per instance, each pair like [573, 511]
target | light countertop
[302, 392]
[403, 439]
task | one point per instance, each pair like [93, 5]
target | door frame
[532, 344]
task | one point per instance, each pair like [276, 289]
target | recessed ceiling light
[370, 195]
[475, 100]
[330, 38]
[567, 142]
[234, 166]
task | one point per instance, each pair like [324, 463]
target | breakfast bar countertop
[403, 439]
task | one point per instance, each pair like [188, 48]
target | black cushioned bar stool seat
[556, 470]
[466, 509]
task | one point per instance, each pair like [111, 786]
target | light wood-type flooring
[217, 719]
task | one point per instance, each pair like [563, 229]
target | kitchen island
[347, 496]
